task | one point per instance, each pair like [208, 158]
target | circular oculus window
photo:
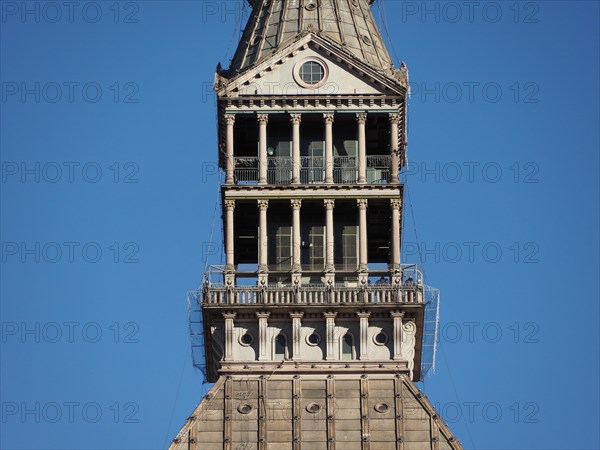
[380, 338]
[382, 408]
[311, 5]
[311, 73]
[313, 408]
[246, 339]
[245, 409]
[313, 339]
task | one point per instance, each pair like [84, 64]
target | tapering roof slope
[315, 412]
[275, 23]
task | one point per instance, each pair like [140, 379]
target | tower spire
[314, 330]
[274, 24]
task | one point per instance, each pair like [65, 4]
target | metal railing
[245, 170]
[311, 295]
[378, 169]
[312, 169]
[345, 169]
[279, 170]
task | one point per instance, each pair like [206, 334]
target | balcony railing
[378, 169]
[311, 295]
[312, 169]
[279, 170]
[345, 169]
[245, 170]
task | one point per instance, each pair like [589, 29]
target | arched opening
[348, 349]
[281, 349]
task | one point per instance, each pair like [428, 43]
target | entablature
[316, 192]
[311, 104]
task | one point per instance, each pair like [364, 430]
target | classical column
[397, 316]
[296, 243]
[263, 162]
[263, 262]
[361, 119]
[394, 146]
[296, 334]
[328, 147]
[263, 340]
[329, 243]
[296, 119]
[230, 163]
[229, 255]
[364, 334]
[228, 316]
[396, 204]
[362, 229]
[330, 324]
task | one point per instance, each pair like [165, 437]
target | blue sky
[108, 149]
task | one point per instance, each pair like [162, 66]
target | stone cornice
[317, 192]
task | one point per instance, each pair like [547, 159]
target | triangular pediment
[345, 74]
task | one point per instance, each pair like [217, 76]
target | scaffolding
[431, 297]
[194, 299]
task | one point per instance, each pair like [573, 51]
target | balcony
[312, 170]
[311, 295]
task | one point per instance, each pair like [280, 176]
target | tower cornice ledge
[333, 191]
[317, 367]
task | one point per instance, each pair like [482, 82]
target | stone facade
[313, 327]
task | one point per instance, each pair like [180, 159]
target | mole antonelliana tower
[313, 330]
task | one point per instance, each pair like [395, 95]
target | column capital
[229, 315]
[361, 118]
[296, 204]
[362, 203]
[329, 203]
[395, 118]
[328, 117]
[296, 118]
[396, 203]
[263, 204]
[363, 314]
[397, 314]
[330, 314]
[296, 315]
[229, 119]
[262, 314]
[229, 205]
[262, 119]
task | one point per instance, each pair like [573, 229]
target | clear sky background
[108, 193]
